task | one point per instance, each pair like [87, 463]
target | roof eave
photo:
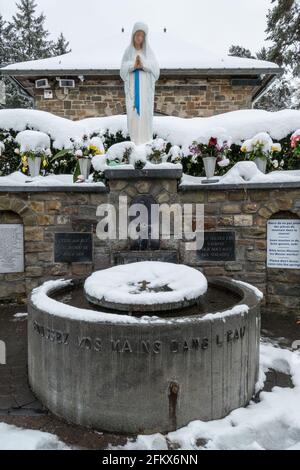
[177, 71]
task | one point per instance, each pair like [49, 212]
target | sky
[211, 24]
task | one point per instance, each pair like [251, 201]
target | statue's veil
[147, 53]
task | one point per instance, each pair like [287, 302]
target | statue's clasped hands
[138, 63]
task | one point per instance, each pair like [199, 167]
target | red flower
[212, 142]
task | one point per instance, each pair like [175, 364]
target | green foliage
[64, 161]
[9, 160]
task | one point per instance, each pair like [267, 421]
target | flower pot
[85, 167]
[34, 166]
[209, 166]
[261, 164]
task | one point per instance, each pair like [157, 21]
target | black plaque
[156, 255]
[73, 247]
[218, 246]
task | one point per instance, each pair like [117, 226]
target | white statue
[139, 71]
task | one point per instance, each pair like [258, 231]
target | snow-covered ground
[13, 438]
[240, 125]
[272, 423]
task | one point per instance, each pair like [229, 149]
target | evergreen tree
[31, 37]
[283, 29]
[61, 46]
[239, 51]
[3, 44]
[25, 38]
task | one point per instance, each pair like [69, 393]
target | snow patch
[240, 125]
[14, 438]
[33, 140]
[19, 179]
[122, 284]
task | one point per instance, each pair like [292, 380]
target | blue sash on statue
[137, 90]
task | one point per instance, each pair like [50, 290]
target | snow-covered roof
[172, 53]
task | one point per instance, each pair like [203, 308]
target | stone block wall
[183, 97]
[242, 210]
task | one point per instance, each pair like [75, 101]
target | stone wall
[183, 97]
[242, 210]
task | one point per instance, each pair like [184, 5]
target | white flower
[247, 146]
[48, 153]
[224, 162]
[282, 163]
[80, 179]
[275, 163]
[17, 151]
[2, 147]
[78, 153]
[175, 152]
[263, 139]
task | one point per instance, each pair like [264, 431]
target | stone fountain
[145, 347]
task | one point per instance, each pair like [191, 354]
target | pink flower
[294, 140]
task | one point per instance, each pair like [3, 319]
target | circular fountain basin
[143, 374]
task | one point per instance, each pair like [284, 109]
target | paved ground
[18, 405]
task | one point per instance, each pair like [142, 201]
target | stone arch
[15, 210]
[17, 205]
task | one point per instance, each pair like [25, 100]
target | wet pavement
[18, 405]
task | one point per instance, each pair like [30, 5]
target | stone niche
[12, 267]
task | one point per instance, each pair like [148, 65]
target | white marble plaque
[283, 248]
[11, 248]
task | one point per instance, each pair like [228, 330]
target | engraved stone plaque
[11, 248]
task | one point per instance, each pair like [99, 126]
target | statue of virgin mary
[139, 71]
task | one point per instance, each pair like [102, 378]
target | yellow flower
[45, 163]
[243, 148]
[276, 148]
[96, 150]
[24, 158]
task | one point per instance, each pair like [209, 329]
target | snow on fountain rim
[41, 300]
[115, 284]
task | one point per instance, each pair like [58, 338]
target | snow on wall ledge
[240, 125]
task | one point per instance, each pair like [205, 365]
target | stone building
[192, 82]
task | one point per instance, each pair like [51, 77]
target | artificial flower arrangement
[127, 152]
[262, 150]
[87, 147]
[175, 154]
[157, 151]
[214, 148]
[295, 143]
[83, 149]
[33, 147]
[30, 155]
